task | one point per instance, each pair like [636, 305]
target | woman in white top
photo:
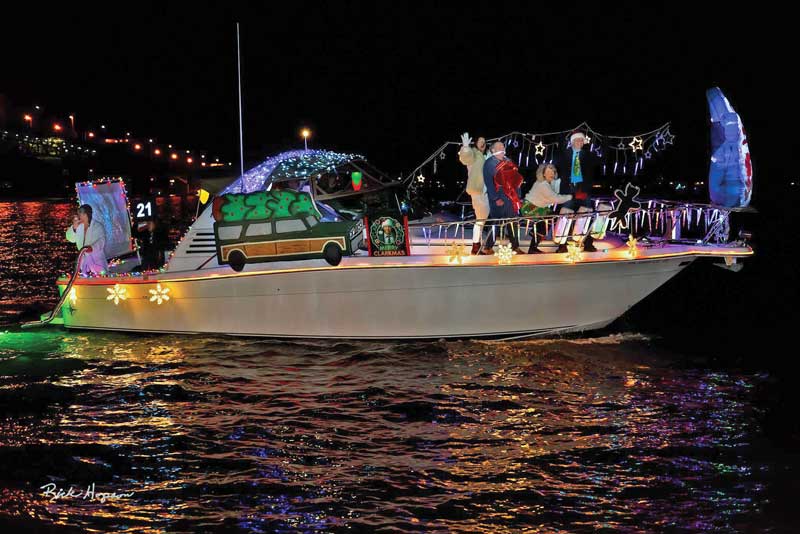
[541, 197]
[87, 232]
[473, 159]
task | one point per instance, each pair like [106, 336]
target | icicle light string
[637, 218]
[642, 143]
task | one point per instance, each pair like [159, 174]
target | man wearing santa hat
[578, 167]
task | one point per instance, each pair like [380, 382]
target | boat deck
[439, 255]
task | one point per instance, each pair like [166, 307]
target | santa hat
[387, 222]
[576, 134]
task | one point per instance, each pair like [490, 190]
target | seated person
[152, 240]
[88, 232]
[541, 197]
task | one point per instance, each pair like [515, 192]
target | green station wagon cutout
[278, 225]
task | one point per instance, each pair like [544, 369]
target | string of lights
[630, 151]
[60, 137]
[289, 165]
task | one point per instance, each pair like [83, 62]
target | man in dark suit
[502, 180]
[578, 168]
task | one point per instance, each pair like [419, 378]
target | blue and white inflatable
[730, 175]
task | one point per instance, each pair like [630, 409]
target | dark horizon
[393, 83]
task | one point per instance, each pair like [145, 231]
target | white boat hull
[363, 298]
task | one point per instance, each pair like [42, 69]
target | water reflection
[27, 266]
[452, 437]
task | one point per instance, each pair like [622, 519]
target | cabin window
[229, 232]
[255, 229]
[289, 225]
[312, 221]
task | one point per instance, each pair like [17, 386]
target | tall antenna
[239, 71]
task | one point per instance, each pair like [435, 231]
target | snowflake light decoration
[504, 253]
[159, 294]
[455, 253]
[117, 293]
[574, 251]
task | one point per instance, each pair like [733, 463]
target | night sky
[394, 80]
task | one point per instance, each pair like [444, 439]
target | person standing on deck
[578, 168]
[152, 240]
[88, 232]
[474, 158]
[502, 180]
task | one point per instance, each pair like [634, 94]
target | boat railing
[658, 220]
[64, 295]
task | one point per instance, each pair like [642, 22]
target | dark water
[608, 433]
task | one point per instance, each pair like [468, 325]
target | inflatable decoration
[730, 174]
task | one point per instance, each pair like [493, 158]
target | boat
[318, 244]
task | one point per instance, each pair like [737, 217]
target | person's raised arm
[73, 234]
[465, 154]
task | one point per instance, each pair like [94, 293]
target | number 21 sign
[144, 209]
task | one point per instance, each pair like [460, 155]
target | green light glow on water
[36, 354]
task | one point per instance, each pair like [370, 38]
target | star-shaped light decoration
[159, 294]
[574, 251]
[455, 253]
[633, 249]
[504, 253]
[636, 144]
[539, 149]
[588, 140]
[421, 179]
[117, 293]
[667, 138]
[73, 296]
